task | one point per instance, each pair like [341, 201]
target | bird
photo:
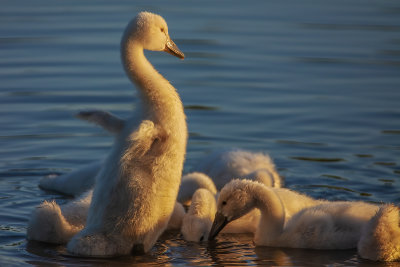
[197, 222]
[57, 224]
[50, 222]
[226, 164]
[380, 237]
[290, 219]
[222, 165]
[136, 187]
[211, 172]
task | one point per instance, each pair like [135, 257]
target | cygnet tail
[48, 224]
[380, 238]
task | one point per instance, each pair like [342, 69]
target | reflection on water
[313, 83]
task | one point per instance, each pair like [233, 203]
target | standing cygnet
[226, 165]
[380, 237]
[136, 189]
[197, 222]
[316, 224]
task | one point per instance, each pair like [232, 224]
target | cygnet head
[196, 224]
[151, 32]
[234, 201]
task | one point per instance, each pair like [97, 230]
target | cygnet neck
[158, 96]
[272, 211]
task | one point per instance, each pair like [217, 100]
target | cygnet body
[316, 224]
[224, 165]
[136, 189]
[380, 237]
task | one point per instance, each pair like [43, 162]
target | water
[313, 83]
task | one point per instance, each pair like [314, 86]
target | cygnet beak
[171, 48]
[219, 223]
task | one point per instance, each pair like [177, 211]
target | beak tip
[172, 49]
[219, 223]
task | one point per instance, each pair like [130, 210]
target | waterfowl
[197, 222]
[380, 237]
[290, 219]
[57, 224]
[136, 188]
[213, 171]
[224, 165]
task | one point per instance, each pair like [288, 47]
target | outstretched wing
[108, 121]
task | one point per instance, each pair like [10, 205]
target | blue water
[316, 84]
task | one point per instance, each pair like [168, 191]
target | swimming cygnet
[136, 188]
[316, 225]
[197, 222]
[380, 238]
[225, 165]
[57, 224]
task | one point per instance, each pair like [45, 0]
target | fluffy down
[225, 165]
[290, 219]
[380, 238]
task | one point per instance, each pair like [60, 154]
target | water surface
[313, 83]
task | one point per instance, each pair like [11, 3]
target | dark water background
[314, 83]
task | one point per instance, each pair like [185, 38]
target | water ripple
[315, 79]
[318, 159]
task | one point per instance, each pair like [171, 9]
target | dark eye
[162, 29]
[223, 203]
